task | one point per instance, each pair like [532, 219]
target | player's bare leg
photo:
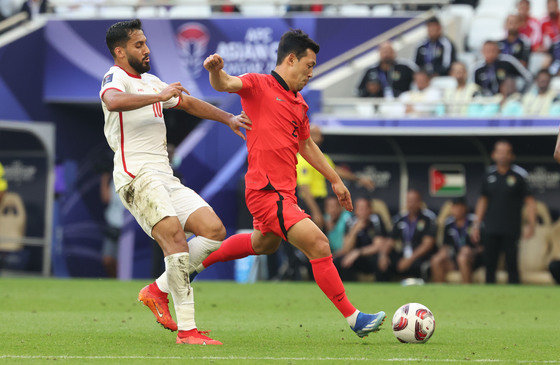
[209, 231]
[170, 236]
[307, 237]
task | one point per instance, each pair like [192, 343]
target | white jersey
[138, 137]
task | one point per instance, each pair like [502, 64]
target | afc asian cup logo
[192, 40]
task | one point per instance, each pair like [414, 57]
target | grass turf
[100, 321]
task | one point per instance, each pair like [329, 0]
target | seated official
[457, 251]
[416, 229]
[496, 67]
[390, 78]
[365, 247]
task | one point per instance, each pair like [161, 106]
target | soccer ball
[413, 323]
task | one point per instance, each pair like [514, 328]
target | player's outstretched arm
[205, 110]
[119, 101]
[219, 79]
[312, 154]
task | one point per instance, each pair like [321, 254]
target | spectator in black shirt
[457, 251]
[416, 229]
[388, 79]
[496, 68]
[554, 51]
[365, 245]
[515, 44]
[437, 53]
[504, 190]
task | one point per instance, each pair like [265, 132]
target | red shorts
[274, 211]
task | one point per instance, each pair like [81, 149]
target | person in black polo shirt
[515, 44]
[554, 51]
[365, 245]
[388, 79]
[496, 68]
[458, 251]
[437, 53]
[504, 190]
[416, 229]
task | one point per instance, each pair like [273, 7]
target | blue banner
[77, 57]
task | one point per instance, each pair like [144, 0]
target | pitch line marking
[138, 357]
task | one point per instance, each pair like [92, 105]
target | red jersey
[280, 121]
[532, 30]
[550, 30]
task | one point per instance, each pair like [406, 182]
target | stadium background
[51, 138]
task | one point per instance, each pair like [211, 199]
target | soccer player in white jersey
[132, 102]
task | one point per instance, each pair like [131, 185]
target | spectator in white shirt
[422, 101]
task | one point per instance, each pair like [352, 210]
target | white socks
[162, 283]
[351, 319]
[199, 249]
[178, 282]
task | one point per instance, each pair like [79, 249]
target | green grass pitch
[100, 321]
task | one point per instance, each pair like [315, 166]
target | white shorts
[153, 195]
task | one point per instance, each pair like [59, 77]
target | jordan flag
[447, 181]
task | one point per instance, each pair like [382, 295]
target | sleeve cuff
[178, 102]
[107, 89]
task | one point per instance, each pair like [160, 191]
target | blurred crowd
[436, 83]
[417, 244]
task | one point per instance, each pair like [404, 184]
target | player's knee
[178, 238]
[215, 230]
[266, 248]
[172, 241]
[320, 248]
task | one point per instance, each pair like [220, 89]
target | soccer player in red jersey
[280, 130]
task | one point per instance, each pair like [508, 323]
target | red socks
[235, 247]
[324, 271]
[328, 279]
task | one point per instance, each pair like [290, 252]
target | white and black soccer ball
[413, 323]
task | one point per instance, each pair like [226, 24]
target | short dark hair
[503, 141]
[119, 33]
[544, 71]
[433, 20]
[460, 201]
[415, 191]
[423, 71]
[295, 41]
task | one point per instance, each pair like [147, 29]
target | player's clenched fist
[172, 91]
[214, 63]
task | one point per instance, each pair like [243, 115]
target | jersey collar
[280, 80]
[129, 74]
